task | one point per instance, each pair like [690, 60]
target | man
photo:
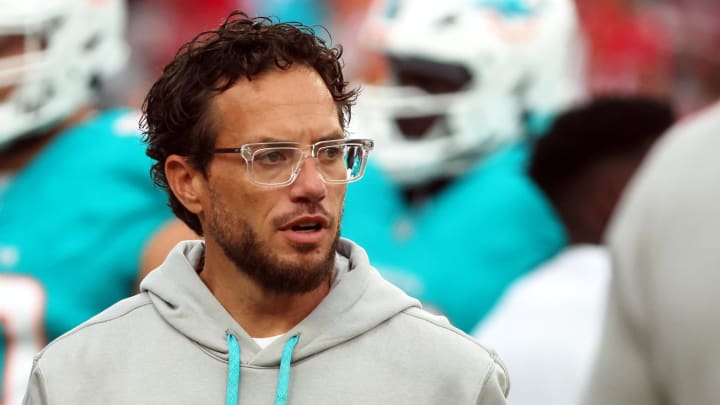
[553, 314]
[470, 83]
[79, 219]
[247, 127]
[659, 344]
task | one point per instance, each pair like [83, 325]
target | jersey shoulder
[111, 133]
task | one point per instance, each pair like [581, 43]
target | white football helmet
[69, 47]
[465, 76]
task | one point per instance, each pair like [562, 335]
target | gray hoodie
[174, 343]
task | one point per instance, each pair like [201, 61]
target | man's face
[285, 237]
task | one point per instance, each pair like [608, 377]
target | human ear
[186, 182]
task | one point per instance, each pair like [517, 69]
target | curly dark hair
[176, 118]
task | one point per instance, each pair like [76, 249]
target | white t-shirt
[266, 341]
[547, 326]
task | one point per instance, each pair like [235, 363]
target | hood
[358, 301]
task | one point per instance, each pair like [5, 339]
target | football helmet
[465, 76]
[66, 47]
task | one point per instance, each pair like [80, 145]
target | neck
[260, 312]
[584, 236]
[583, 227]
[20, 153]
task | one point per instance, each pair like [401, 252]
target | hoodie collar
[358, 301]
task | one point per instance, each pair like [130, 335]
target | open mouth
[306, 230]
[306, 223]
[307, 227]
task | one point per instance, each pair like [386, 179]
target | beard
[256, 259]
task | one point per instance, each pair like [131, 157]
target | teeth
[307, 226]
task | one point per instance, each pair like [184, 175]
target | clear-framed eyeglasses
[277, 164]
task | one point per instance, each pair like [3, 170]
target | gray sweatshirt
[174, 343]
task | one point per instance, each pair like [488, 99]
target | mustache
[306, 209]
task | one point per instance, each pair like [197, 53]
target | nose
[309, 185]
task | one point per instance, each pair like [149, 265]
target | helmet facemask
[67, 48]
[459, 87]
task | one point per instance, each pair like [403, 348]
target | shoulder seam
[488, 375]
[449, 328]
[88, 324]
[42, 384]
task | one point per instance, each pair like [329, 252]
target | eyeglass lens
[336, 163]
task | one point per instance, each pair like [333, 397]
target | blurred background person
[446, 210]
[80, 219]
[548, 323]
[659, 344]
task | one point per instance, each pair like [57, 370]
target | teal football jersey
[73, 224]
[459, 251]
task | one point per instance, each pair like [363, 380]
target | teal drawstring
[284, 377]
[233, 383]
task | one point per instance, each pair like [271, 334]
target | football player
[80, 219]
[447, 211]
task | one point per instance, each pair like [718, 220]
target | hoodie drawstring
[284, 377]
[233, 383]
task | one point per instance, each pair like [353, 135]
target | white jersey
[547, 326]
